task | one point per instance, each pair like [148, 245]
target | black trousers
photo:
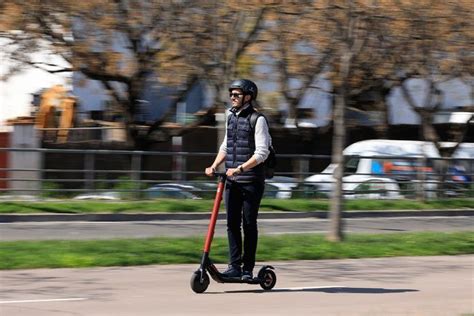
[242, 201]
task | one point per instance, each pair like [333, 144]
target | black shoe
[232, 272]
[247, 275]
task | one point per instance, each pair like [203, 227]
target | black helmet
[247, 87]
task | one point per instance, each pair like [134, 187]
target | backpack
[270, 163]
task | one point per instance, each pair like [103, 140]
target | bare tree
[297, 55]
[120, 44]
[435, 38]
[351, 25]
[369, 45]
[215, 38]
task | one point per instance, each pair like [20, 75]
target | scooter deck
[222, 279]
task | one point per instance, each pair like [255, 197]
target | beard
[237, 105]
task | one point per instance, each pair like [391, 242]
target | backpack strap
[253, 122]
[253, 119]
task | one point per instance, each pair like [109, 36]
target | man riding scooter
[243, 151]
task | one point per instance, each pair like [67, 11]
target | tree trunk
[335, 233]
[339, 138]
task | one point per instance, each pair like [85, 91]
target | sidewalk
[116, 217]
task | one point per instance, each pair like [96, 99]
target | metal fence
[118, 174]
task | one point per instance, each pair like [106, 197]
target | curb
[106, 217]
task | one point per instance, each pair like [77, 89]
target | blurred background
[127, 99]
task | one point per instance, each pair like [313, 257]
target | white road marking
[44, 300]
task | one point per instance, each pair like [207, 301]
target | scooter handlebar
[221, 175]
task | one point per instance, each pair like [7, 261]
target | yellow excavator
[53, 101]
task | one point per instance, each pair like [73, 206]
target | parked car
[458, 181]
[359, 187]
[206, 189]
[110, 196]
[370, 161]
[170, 191]
[280, 187]
[355, 187]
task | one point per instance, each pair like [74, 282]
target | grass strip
[131, 252]
[171, 205]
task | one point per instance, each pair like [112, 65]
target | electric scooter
[200, 279]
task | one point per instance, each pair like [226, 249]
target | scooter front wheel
[196, 284]
[268, 279]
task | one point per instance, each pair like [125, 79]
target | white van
[367, 171]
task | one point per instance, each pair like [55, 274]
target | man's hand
[233, 171]
[210, 171]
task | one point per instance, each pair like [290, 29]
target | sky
[16, 91]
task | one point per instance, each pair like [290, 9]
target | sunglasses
[235, 95]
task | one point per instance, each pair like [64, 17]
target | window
[351, 166]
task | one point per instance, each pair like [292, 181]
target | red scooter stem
[215, 212]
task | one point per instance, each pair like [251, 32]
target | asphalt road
[180, 228]
[386, 286]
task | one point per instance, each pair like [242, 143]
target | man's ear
[247, 98]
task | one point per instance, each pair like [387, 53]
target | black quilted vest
[241, 146]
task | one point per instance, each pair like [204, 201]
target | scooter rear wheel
[196, 284]
[268, 279]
